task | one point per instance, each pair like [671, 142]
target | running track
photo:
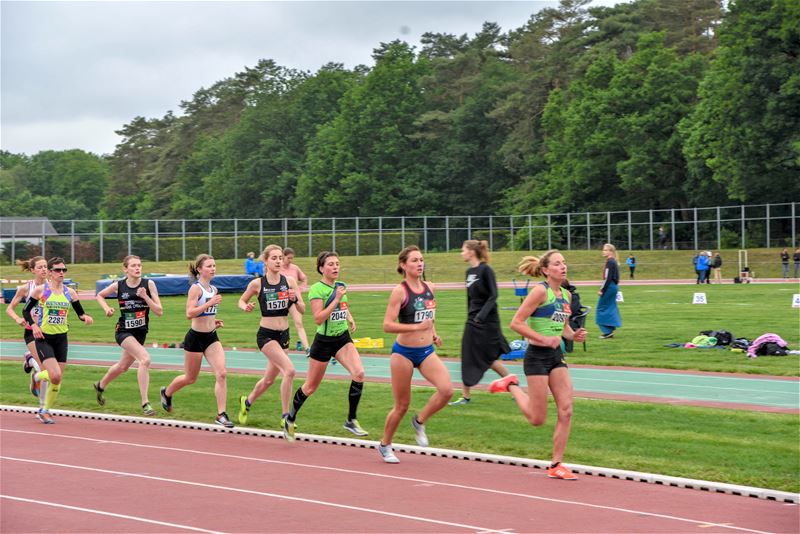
[86, 475]
[774, 394]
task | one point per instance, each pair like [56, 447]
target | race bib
[429, 312]
[339, 314]
[57, 317]
[211, 311]
[560, 317]
[134, 319]
[277, 301]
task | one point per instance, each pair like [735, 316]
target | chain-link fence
[88, 241]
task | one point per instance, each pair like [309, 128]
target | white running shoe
[387, 454]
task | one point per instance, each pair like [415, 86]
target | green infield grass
[449, 267]
[652, 316]
[738, 447]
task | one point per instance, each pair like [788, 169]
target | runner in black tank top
[274, 300]
[136, 297]
[410, 314]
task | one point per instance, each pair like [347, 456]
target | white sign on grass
[796, 300]
[699, 298]
[619, 297]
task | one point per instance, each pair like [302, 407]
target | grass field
[653, 316]
[449, 267]
[748, 448]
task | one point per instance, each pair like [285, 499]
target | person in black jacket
[483, 342]
[607, 317]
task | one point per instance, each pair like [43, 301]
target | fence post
[651, 230]
[310, 244]
[403, 232]
[569, 234]
[210, 231]
[235, 238]
[549, 231]
[630, 236]
[101, 241]
[183, 239]
[511, 227]
[129, 237]
[767, 225]
[285, 225]
[719, 230]
[261, 236]
[469, 226]
[156, 232]
[447, 233]
[588, 232]
[696, 244]
[44, 248]
[333, 233]
[794, 238]
[491, 232]
[672, 230]
[425, 233]
[608, 226]
[380, 236]
[14, 241]
[742, 216]
[530, 232]
[357, 237]
[72, 242]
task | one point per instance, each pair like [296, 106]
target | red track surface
[83, 475]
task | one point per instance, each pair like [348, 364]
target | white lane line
[686, 386]
[394, 477]
[472, 528]
[110, 514]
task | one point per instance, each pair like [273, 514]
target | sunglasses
[59, 269]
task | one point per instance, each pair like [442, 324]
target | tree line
[650, 104]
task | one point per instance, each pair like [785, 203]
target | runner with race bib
[329, 305]
[410, 314]
[136, 297]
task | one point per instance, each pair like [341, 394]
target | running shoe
[607, 336]
[460, 402]
[353, 426]
[166, 402]
[559, 471]
[288, 429]
[27, 362]
[501, 384]
[244, 410]
[99, 393]
[222, 419]
[387, 454]
[283, 416]
[34, 385]
[147, 409]
[419, 430]
[45, 417]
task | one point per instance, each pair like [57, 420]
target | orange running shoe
[561, 472]
[501, 384]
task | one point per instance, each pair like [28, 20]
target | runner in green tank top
[547, 307]
[50, 331]
[329, 306]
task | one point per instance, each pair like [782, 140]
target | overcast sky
[73, 72]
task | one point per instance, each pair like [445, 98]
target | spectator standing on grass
[411, 314]
[288, 268]
[483, 341]
[631, 263]
[716, 266]
[796, 258]
[607, 317]
[250, 264]
[662, 238]
[547, 308]
[136, 298]
[785, 262]
[202, 339]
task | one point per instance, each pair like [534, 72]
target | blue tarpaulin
[179, 284]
